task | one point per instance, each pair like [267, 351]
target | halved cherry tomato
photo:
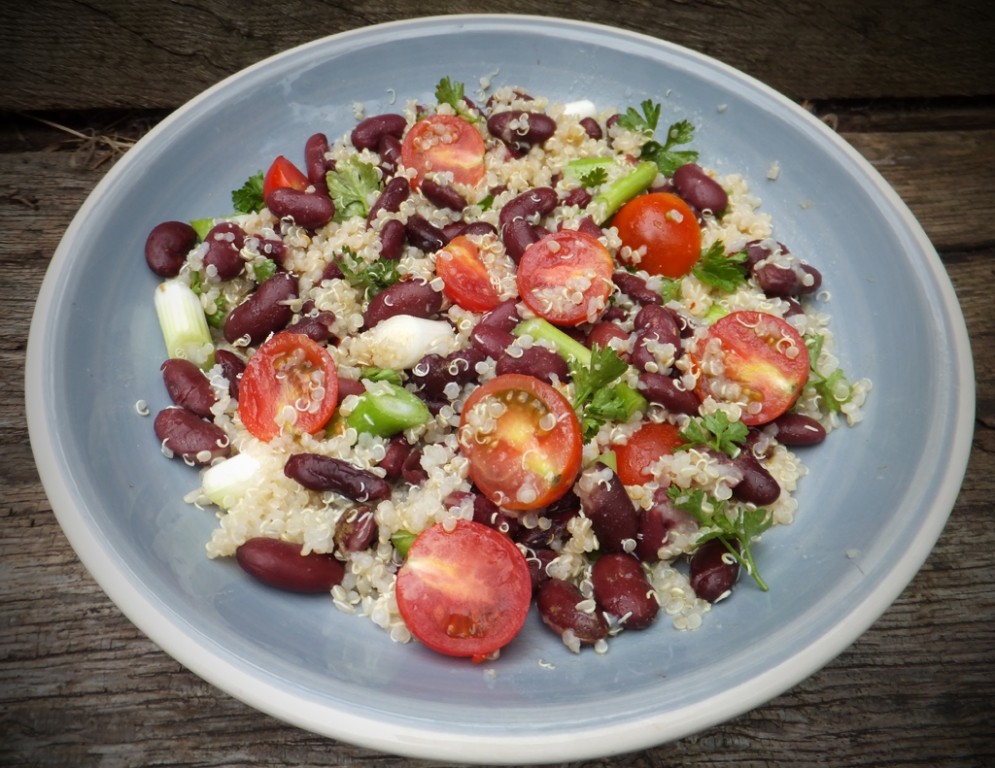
[566, 277]
[762, 354]
[523, 441]
[465, 279]
[283, 173]
[440, 143]
[289, 385]
[644, 447]
[666, 227]
[464, 592]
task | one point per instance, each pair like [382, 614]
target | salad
[484, 355]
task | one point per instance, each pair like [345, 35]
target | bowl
[873, 505]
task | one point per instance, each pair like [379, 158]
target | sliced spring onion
[183, 323]
[386, 409]
[566, 347]
[228, 481]
[623, 189]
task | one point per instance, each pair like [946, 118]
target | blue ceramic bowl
[870, 511]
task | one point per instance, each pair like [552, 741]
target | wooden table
[912, 90]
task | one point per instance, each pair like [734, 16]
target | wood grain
[81, 686]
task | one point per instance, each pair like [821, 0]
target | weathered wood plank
[119, 53]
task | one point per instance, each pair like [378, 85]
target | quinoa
[275, 506]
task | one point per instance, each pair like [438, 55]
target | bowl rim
[196, 653]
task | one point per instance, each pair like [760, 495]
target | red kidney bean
[263, 312]
[613, 516]
[589, 226]
[591, 127]
[485, 512]
[224, 246]
[713, 571]
[232, 367]
[504, 316]
[535, 361]
[356, 530]
[531, 204]
[442, 196]
[368, 133]
[622, 589]
[280, 564]
[395, 192]
[424, 235]
[491, 340]
[190, 437]
[187, 386]
[349, 387]
[758, 486]
[663, 321]
[557, 603]
[795, 429]
[538, 560]
[519, 129]
[397, 451]
[635, 288]
[517, 235]
[389, 150]
[408, 297]
[579, 197]
[605, 331]
[311, 210]
[433, 372]
[317, 165]
[392, 238]
[794, 278]
[700, 190]
[412, 471]
[167, 246]
[668, 392]
[324, 473]
[317, 327]
[271, 248]
[478, 228]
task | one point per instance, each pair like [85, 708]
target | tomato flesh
[565, 277]
[644, 447]
[281, 174]
[761, 355]
[666, 227]
[464, 592]
[289, 385]
[444, 144]
[523, 441]
[465, 279]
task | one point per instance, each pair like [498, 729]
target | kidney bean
[589, 226]
[280, 564]
[270, 247]
[795, 429]
[622, 589]
[389, 150]
[317, 327]
[424, 235]
[349, 387]
[635, 288]
[713, 571]
[538, 560]
[263, 312]
[604, 331]
[397, 451]
[392, 239]
[519, 129]
[442, 196]
[700, 190]
[557, 602]
[591, 127]
[167, 246]
[517, 235]
[504, 316]
[324, 473]
[613, 516]
[758, 486]
[190, 437]
[395, 192]
[668, 392]
[579, 197]
[311, 210]
[187, 386]
[356, 530]
[486, 512]
[535, 361]
[315, 162]
[232, 367]
[368, 133]
[478, 229]
[491, 340]
[433, 372]
[224, 246]
[414, 297]
[531, 204]
[786, 278]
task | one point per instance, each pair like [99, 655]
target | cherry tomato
[464, 592]
[666, 227]
[644, 447]
[289, 385]
[566, 277]
[523, 441]
[283, 173]
[465, 279]
[444, 143]
[762, 354]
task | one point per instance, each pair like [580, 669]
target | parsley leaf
[594, 177]
[249, 197]
[664, 155]
[643, 123]
[263, 270]
[835, 389]
[714, 430]
[351, 185]
[595, 400]
[736, 531]
[604, 368]
[670, 289]
[720, 271]
[371, 278]
[615, 403]
[453, 93]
